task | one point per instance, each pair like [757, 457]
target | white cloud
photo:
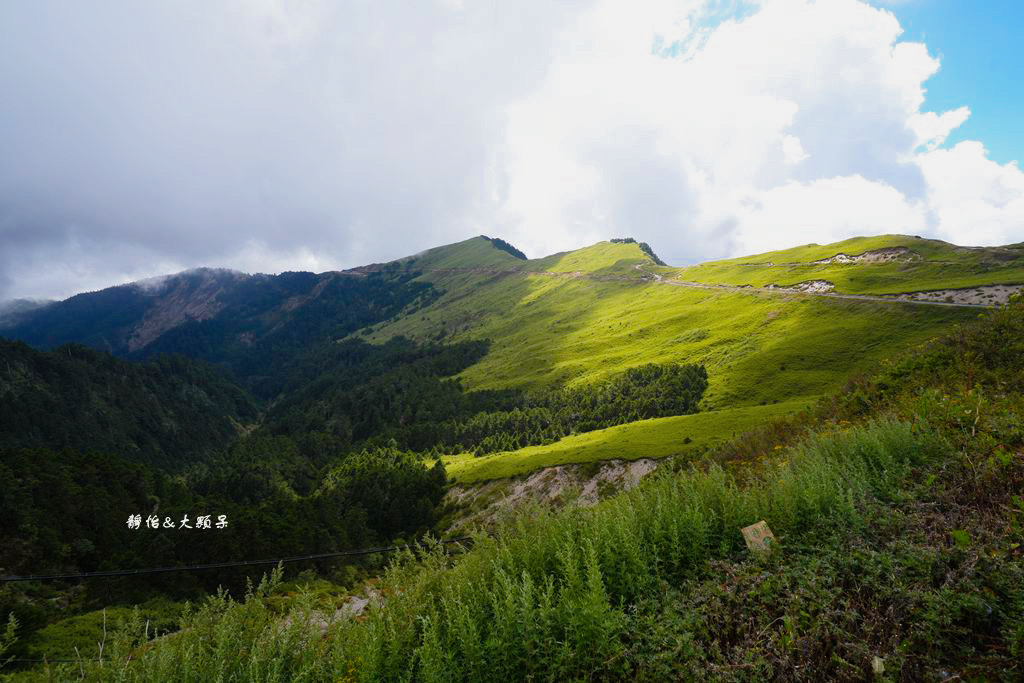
[932, 129]
[826, 210]
[977, 201]
[792, 150]
[270, 135]
[799, 122]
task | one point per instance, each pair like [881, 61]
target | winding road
[655, 278]
[659, 279]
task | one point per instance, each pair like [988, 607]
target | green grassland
[480, 254]
[760, 348]
[896, 554]
[477, 252]
[603, 258]
[655, 438]
[939, 266]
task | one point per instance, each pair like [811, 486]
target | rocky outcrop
[985, 295]
[809, 287]
[583, 485]
[180, 298]
[883, 255]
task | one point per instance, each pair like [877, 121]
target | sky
[138, 139]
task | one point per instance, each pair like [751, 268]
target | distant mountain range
[330, 411]
[254, 326]
[248, 323]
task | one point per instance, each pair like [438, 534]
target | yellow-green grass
[479, 253]
[656, 438]
[601, 258]
[940, 266]
[763, 351]
[476, 252]
[757, 347]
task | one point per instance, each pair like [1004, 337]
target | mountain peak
[476, 252]
[609, 256]
[158, 283]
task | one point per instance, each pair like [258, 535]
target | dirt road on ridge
[655, 278]
[659, 279]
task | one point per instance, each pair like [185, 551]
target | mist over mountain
[15, 309]
[247, 323]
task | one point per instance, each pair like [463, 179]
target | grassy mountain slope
[925, 265]
[899, 523]
[603, 258]
[760, 348]
[476, 252]
[682, 435]
[481, 253]
[757, 347]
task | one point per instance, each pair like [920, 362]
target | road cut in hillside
[984, 296]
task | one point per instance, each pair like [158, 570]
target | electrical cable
[222, 565]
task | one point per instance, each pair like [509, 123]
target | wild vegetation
[328, 412]
[357, 395]
[169, 412]
[898, 512]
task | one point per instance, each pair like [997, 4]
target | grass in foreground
[900, 551]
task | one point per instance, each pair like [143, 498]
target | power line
[52, 661]
[223, 565]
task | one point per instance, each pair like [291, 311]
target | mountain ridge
[360, 394]
[254, 325]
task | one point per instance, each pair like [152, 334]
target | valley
[625, 413]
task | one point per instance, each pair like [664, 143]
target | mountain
[771, 330]
[569, 320]
[875, 537]
[887, 264]
[250, 324]
[170, 411]
[326, 412]
[14, 310]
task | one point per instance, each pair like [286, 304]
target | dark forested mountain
[169, 411]
[250, 324]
